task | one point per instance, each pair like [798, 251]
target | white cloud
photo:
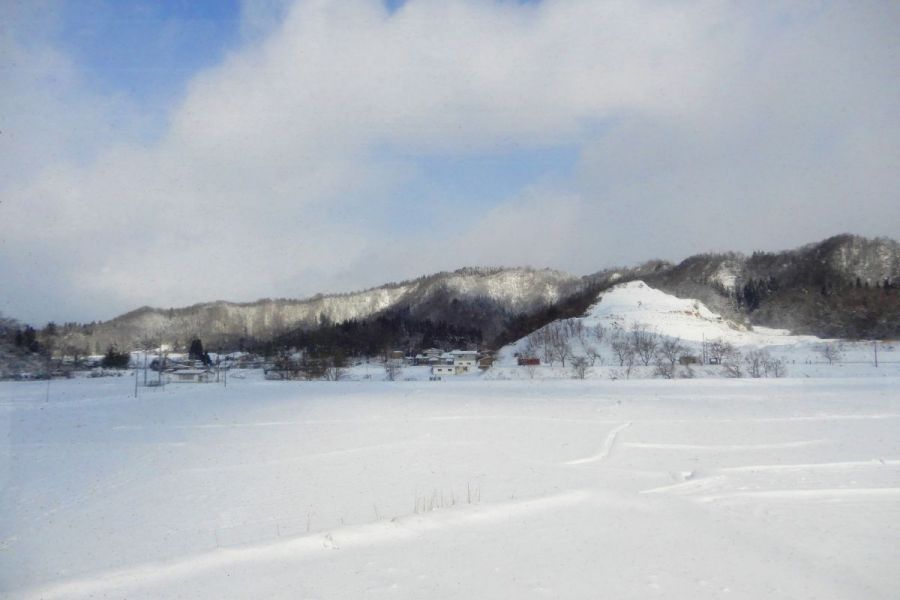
[709, 125]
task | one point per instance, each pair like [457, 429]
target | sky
[171, 152]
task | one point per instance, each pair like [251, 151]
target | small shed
[439, 370]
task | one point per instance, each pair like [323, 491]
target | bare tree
[335, 367]
[532, 346]
[392, 369]
[775, 367]
[719, 350]
[831, 352]
[285, 366]
[732, 364]
[596, 337]
[622, 348]
[579, 335]
[587, 340]
[629, 365]
[644, 343]
[558, 341]
[756, 362]
[580, 367]
[668, 353]
[540, 344]
[312, 368]
[671, 350]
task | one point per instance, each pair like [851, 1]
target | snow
[637, 304]
[516, 289]
[726, 275]
[519, 289]
[464, 488]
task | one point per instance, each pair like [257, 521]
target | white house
[465, 360]
[456, 362]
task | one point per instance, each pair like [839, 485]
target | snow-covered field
[704, 488]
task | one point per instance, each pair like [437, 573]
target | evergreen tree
[113, 359]
[196, 350]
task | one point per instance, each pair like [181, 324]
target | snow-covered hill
[635, 303]
[509, 291]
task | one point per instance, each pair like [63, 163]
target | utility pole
[703, 350]
[875, 348]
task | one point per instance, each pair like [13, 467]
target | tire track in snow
[692, 484]
[813, 494]
[850, 464]
[396, 531]
[723, 447]
[605, 451]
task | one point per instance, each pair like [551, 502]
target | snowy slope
[636, 303]
[690, 320]
[518, 289]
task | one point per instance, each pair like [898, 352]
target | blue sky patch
[147, 49]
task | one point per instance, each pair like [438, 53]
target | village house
[431, 356]
[464, 360]
[456, 362]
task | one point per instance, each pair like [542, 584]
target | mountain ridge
[825, 287]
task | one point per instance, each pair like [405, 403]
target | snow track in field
[605, 451]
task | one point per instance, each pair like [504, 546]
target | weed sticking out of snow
[438, 500]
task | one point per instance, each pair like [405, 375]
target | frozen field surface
[456, 489]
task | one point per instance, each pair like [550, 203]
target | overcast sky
[167, 153]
